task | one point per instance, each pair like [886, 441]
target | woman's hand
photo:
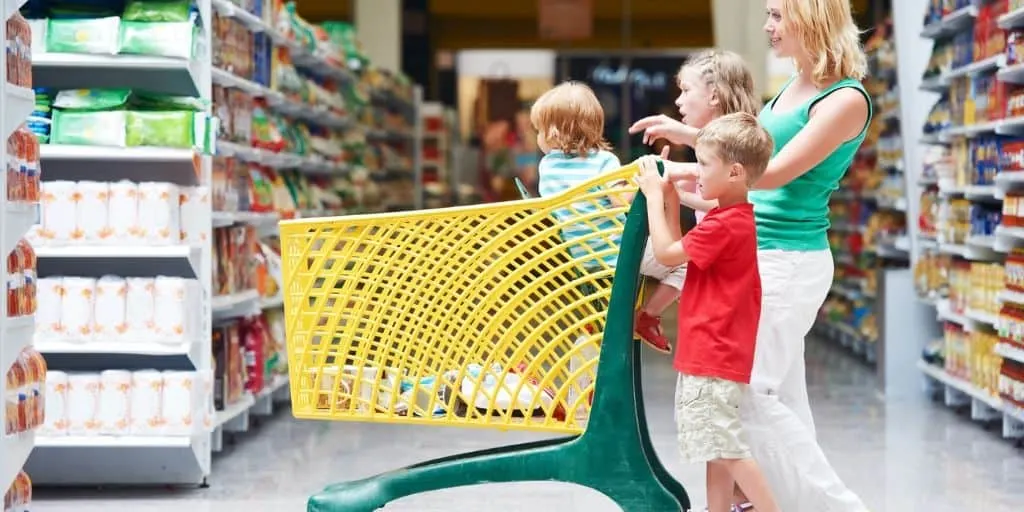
[664, 127]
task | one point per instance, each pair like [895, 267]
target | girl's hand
[679, 172]
[664, 127]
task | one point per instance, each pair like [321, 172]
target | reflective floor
[909, 457]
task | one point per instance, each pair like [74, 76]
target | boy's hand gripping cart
[480, 316]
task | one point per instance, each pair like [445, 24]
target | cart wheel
[205, 484]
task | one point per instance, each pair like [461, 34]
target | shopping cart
[494, 316]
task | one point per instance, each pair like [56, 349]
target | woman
[818, 121]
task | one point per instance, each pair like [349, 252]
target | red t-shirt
[721, 301]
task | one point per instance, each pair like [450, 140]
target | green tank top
[794, 217]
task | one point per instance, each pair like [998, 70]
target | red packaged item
[14, 278]
[255, 340]
[37, 371]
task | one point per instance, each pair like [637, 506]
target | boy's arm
[666, 238]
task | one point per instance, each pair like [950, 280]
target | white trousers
[777, 412]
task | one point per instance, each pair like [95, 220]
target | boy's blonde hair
[739, 138]
[827, 32]
[728, 76]
[571, 119]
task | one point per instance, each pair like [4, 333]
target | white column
[379, 28]
[738, 27]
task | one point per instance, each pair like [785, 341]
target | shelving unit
[868, 224]
[960, 185]
[16, 218]
[347, 179]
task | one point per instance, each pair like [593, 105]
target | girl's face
[697, 102]
[778, 34]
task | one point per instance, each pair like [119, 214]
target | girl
[818, 121]
[712, 84]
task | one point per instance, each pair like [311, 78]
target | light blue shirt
[559, 172]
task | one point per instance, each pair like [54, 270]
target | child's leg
[720, 484]
[661, 298]
[750, 479]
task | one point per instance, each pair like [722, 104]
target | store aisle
[901, 457]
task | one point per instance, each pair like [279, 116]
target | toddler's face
[542, 142]
[697, 103]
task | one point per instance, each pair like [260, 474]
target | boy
[720, 310]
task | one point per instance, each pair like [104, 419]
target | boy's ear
[737, 171]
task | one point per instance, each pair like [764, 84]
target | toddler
[569, 122]
[720, 310]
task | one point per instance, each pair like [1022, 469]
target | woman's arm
[837, 118]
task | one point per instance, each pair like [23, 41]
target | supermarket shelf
[984, 406]
[224, 219]
[945, 313]
[98, 260]
[17, 336]
[300, 56]
[975, 68]
[146, 348]
[1012, 297]
[849, 338]
[950, 23]
[235, 410]
[983, 318]
[1012, 74]
[18, 104]
[1009, 351]
[18, 219]
[308, 164]
[1012, 19]
[236, 304]
[166, 75]
[272, 303]
[114, 441]
[938, 83]
[313, 114]
[14, 451]
[108, 153]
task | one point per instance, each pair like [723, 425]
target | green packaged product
[142, 100]
[170, 129]
[157, 10]
[88, 128]
[92, 99]
[175, 39]
[98, 35]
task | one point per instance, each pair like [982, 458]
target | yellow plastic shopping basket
[494, 316]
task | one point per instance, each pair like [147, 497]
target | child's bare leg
[720, 485]
[661, 298]
[748, 476]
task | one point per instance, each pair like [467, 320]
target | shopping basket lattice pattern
[485, 316]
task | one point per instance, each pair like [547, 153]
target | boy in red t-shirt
[721, 305]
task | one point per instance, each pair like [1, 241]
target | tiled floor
[906, 457]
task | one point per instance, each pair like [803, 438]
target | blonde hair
[728, 76]
[739, 138]
[571, 119]
[827, 32]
